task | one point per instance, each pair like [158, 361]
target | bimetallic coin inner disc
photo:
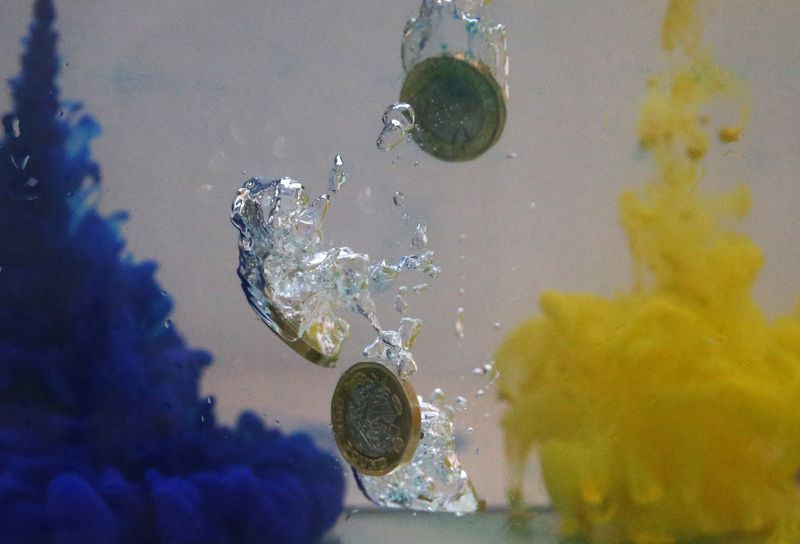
[460, 110]
[376, 419]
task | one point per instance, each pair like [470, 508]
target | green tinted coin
[459, 107]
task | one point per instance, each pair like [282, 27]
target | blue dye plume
[103, 435]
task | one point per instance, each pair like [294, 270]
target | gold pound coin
[305, 345]
[376, 419]
[459, 108]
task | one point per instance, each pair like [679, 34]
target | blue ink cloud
[103, 435]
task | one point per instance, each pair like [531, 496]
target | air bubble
[400, 304]
[460, 322]
[337, 178]
[437, 396]
[398, 120]
[420, 239]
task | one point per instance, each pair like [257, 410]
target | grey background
[196, 96]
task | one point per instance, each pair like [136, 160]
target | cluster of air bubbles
[398, 198]
[433, 480]
[296, 284]
[487, 370]
[398, 122]
[394, 347]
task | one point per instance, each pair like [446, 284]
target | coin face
[376, 419]
[460, 110]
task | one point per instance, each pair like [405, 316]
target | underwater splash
[669, 411]
[433, 481]
[296, 284]
[103, 435]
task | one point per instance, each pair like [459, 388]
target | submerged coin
[376, 419]
[305, 345]
[459, 106]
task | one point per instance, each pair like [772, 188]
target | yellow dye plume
[672, 410]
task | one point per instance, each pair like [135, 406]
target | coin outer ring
[412, 420]
[480, 78]
[301, 344]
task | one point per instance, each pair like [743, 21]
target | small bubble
[398, 119]
[420, 239]
[487, 368]
[420, 287]
[202, 192]
[402, 290]
[437, 396]
[470, 429]
[533, 205]
[477, 371]
[15, 127]
[461, 291]
[496, 325]
[20, 164]
[479, 393]
[398, 198]
[210, 399]
[277, 422]
[32, 182]
[416, 163]
[400, 304]
[337, 178]
[167, 323]
[460, 322]
[400, 113]
[511, 155]
[461, 402]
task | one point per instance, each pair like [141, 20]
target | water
[456, 27]
[434, 479]
[297, 285]
[398, 121]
